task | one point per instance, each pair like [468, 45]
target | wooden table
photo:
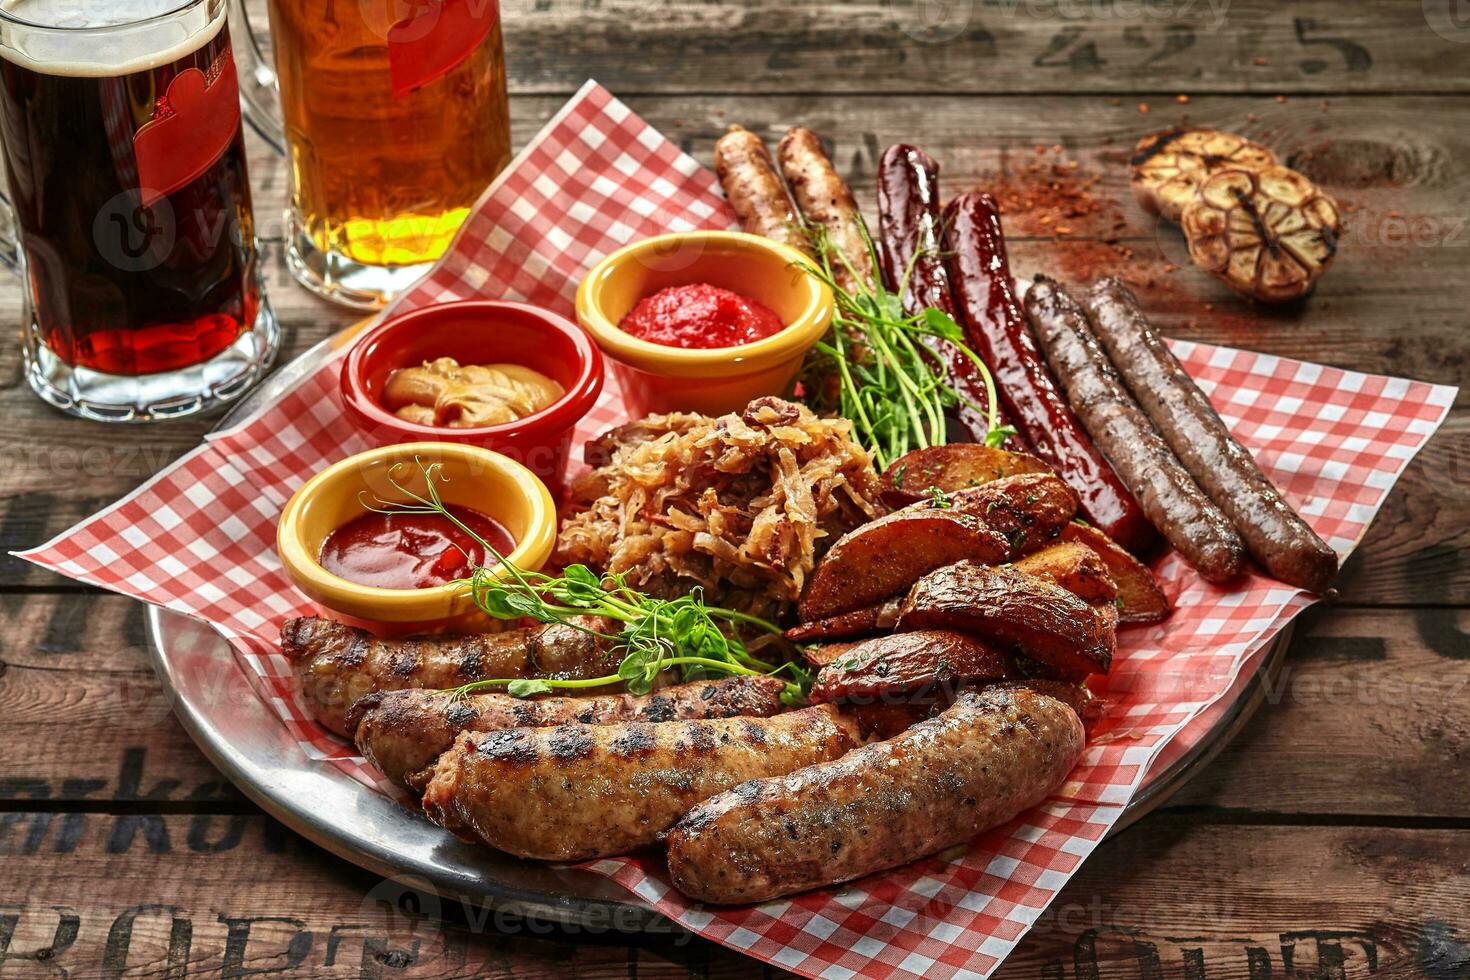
[1330, 839]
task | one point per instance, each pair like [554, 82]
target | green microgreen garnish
[892, 381]
[656, 634]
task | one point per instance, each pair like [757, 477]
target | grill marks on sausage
[882, 805]
[403, 732]
[470, 667]
[579, 791]
[636, 740]
[337, 664]
[569, 742]
[458, 713]
[515, 745]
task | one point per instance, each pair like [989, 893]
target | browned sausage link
[909, 245]
[402, 732]
[1167, 493]
[1274, 533]
[754, 189]
[336, 664]
[825, 200]
[984, 760]
[580, 791]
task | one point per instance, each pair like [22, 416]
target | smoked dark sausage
[996, 330]
[1168, 494]
[1274, 534]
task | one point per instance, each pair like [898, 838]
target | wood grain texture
[227, 894]
[979, 47]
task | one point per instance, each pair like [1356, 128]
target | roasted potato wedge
[1029, 510]
[920, 665]
[949, 468]
[884, 557]
[1073, 566]
[1139, 600]
[866, 621]
[1041, 620]
[989, 524]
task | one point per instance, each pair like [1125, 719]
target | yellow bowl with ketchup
[656, 377]
[318, 560]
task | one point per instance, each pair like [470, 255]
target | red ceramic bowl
[480, 332]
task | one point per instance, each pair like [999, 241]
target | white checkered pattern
[199, 538]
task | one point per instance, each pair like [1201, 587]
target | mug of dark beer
[394, 117]
[120, 130]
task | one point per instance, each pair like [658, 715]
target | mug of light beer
[393, 116]
[130, 206]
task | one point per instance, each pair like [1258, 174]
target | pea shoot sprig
[681, 634]
[892, 381]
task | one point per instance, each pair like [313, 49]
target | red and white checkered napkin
[199, 538]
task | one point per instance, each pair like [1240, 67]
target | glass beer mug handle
[259, 95]
[9, 237]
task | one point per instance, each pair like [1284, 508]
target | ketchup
[700, 316]
[411, 551]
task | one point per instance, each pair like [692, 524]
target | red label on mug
[192, 127]
[435, 40]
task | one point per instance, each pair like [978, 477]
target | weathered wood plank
[1372, 709]
[980, 46]
[231, 894]
[1259, 901]
[1368, 707]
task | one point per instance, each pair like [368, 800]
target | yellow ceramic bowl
[656, 378]
[476, 478]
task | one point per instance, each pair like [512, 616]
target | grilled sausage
[826, 201]
[336, 664]
[1168, 494]
[1274, 534]
[909, 244]
[403, 732]
[981, 762]
[754, 189]
[580, 791]
[995, 328]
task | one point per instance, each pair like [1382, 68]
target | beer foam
[101, 38]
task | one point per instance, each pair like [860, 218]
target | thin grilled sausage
[754, 189]
[996, 329]
[403, 732]
[1168, 494]
[1274, 534]
[336, 664]
[577, 792]
[909, 243]
[826, 201]
[982, 761]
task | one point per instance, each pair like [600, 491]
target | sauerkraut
[741, 505]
